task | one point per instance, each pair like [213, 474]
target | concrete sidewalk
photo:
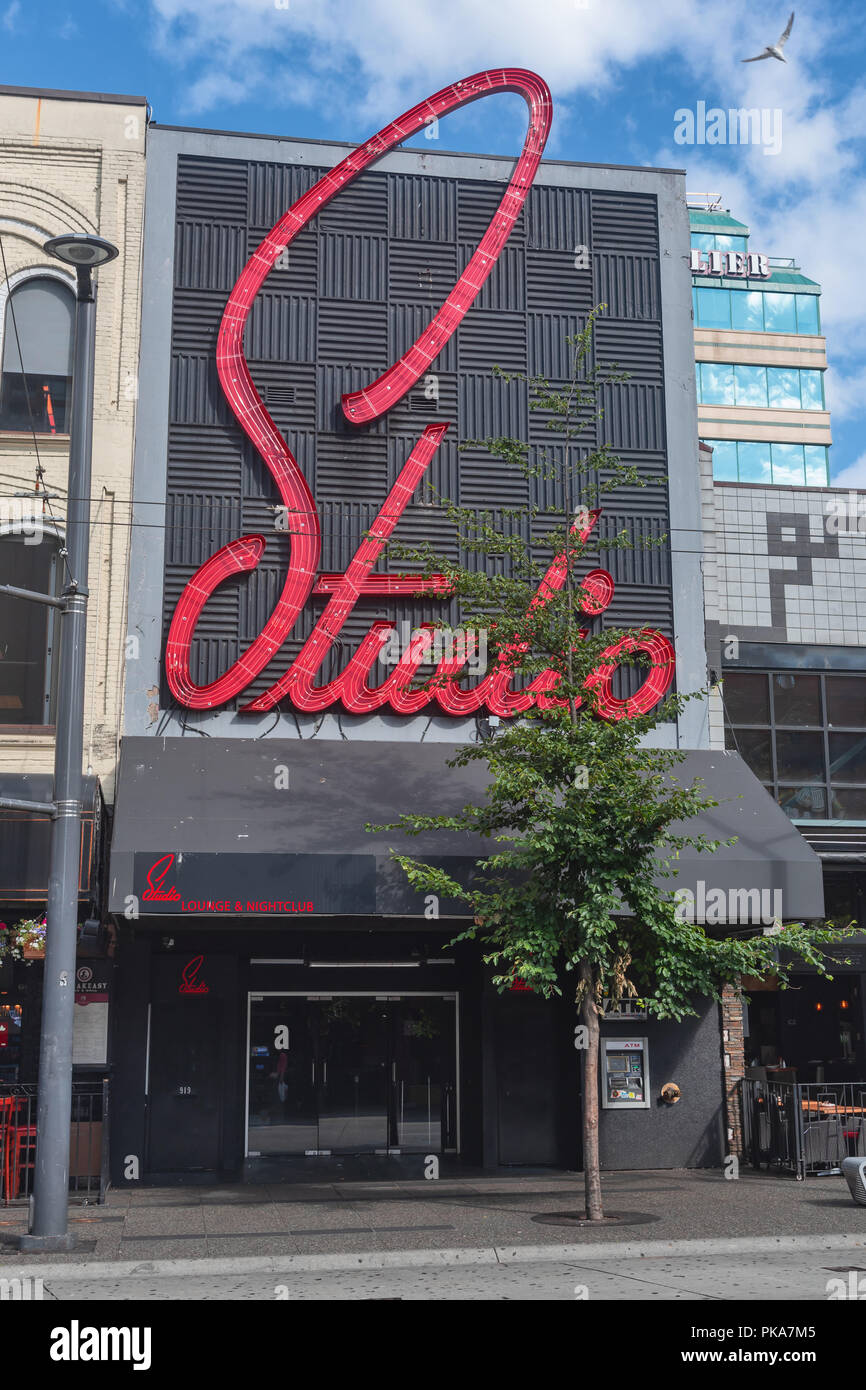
[479, 1214]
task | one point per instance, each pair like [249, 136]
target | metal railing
[88, 1140]
[804, 1129]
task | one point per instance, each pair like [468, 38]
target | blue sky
[619, 70]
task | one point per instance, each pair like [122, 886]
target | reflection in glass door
[423, 1068]
[283, 1110]
[352, 1073]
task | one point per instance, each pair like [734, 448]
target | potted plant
[23, 941]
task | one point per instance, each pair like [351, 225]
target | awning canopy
[275, 827]
[25, 839]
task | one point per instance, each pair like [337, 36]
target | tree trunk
[591, 1166]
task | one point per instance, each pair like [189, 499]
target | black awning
[275, 827]
[25, 839]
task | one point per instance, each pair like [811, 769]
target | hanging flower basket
[23, 941]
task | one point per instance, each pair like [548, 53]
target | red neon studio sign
[350, 688]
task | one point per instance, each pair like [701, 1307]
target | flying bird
[774, 50]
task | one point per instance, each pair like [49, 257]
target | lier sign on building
[303, 579]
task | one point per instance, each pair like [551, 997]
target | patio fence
[804, 1129]
[88, 1140]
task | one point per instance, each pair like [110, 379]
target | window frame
[7, 289]
[827, 783]
[50, 670]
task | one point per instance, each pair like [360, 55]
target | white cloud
[10, 15]
[852, 476]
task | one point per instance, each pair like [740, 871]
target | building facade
[71, 162]
[760, 358]
[785, 585]
[283, 997]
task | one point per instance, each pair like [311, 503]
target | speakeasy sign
[351, 687]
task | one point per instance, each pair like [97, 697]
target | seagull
[774, 50]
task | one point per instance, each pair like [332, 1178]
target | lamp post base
[35, 1245]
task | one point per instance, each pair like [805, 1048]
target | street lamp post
[49, 1226]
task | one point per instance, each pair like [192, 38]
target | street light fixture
[49, 1225]
[82, 250]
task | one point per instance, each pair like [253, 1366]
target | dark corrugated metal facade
[360, 284]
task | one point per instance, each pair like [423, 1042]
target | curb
[96, 1270]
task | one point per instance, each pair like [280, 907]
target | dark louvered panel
[423, 209]
[556, 408]
[341, 304]
[491, 407]
[288, 392]
[550, 354]
[477, 204]
[485, 481]
[274, 188]
[195, 394]
[196, 320]
[362, 207]
[257, 600]
[650, 501]
[426, 272]
[211, 657]
[260, 516]
[219, 615]
[486, 338]
[343, 527]
[420, 526]
[505, 288]
[627, 284]
[358, 332]
[208, 255]
[547, 482]
[553, 283]
[212, 188]
[406, 324]
[205, 455]
[256, 479]
[335, 381]
[348, 466]
[281, 328]
[440, 479]
[197, 524]
[352, 267]
[631, 347]
[431, 401]
[633, 416]
[640, 605]
[646, 559]
[297, 267]
[624, 222]
[558, 219]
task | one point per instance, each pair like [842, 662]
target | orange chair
[17, 1143]
[20, 1153]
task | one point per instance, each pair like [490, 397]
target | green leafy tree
[586, 821]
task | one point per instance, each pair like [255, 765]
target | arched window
[28, 630]
[36, 382]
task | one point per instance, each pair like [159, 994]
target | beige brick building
[69, 162]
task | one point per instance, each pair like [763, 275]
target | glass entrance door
[352, 1073]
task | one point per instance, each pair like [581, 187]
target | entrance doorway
[352, 1074]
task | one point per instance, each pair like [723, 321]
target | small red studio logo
[156, 875]
[190, 984]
